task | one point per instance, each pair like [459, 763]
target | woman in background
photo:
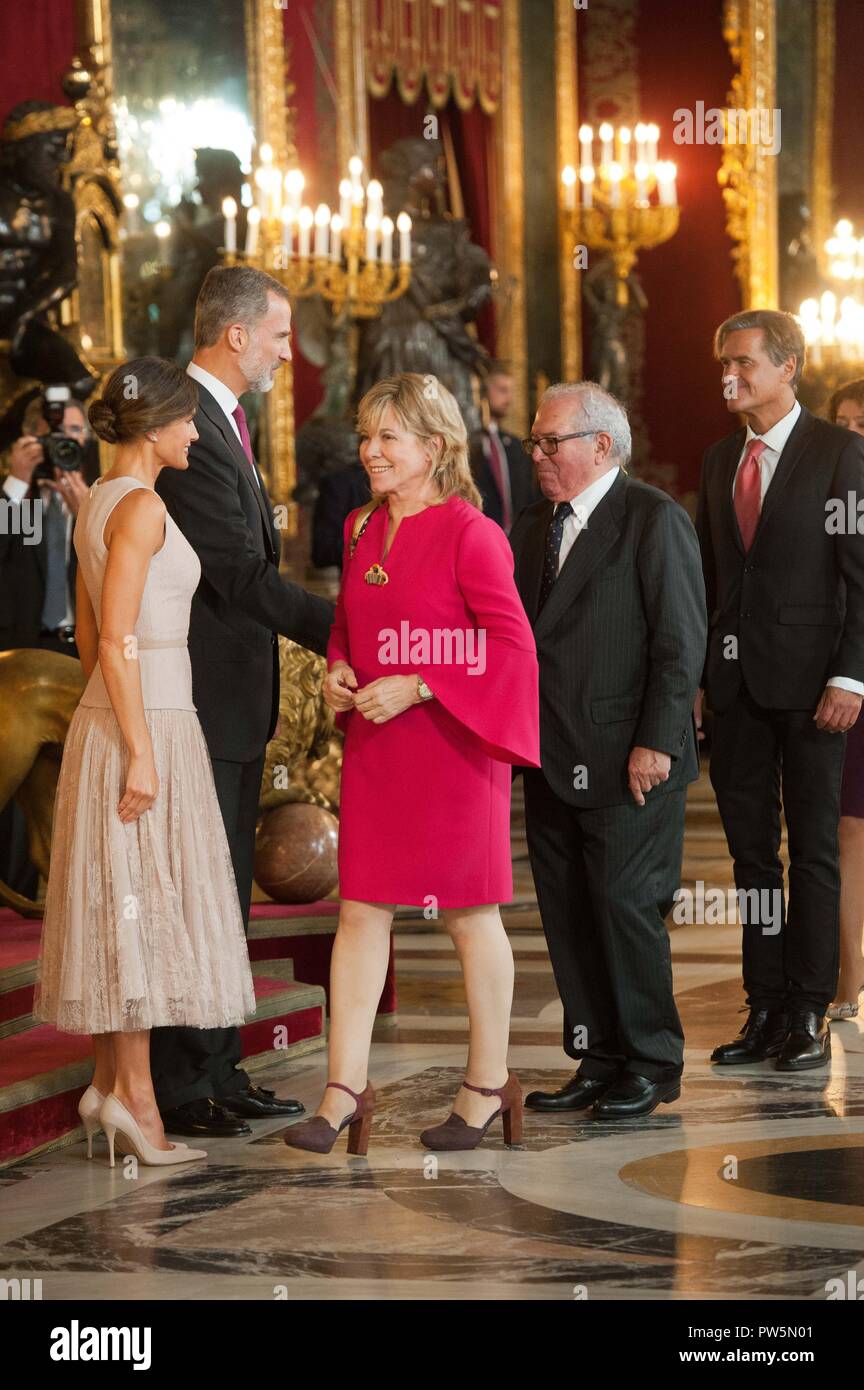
[846, 408]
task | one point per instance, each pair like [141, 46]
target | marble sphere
[295, 853]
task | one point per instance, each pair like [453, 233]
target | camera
[59, 451]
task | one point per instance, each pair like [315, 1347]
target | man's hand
[24, 455]
[697, 713]
[837, 710]
[385, 698]
[339, 683]
[71, 487]
[646, 768]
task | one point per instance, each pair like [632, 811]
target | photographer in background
[54, 462]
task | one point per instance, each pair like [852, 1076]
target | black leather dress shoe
[632, 1094]
[203, 1117]
[578, 1094]
[256, 1104]
[762, 1036]
[807, 1043]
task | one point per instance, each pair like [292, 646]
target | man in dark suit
[501, 471]
[339, 494]
[784, 676]
[38, 568]
[608, 569]
[242, 336]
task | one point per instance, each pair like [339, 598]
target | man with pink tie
[784, 677]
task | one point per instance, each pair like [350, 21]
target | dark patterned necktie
[553, 550]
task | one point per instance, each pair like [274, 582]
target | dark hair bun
[104, 421]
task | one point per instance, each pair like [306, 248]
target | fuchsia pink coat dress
[425, 800]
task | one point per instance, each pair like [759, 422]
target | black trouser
[191, 1063]
[757, 755]
[605, 880]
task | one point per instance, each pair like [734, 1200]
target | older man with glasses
[610, 576]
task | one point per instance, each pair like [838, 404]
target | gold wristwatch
[423, 690]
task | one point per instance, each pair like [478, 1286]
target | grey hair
[600, 410]
[232, 294]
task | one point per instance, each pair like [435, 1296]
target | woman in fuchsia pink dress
[433, 675]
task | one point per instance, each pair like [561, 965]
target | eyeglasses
[548, 443]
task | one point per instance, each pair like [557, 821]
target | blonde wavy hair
[424, 406]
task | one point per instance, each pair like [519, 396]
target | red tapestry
[455, 45]
[37, 45]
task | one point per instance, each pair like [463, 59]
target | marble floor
[751, 1187]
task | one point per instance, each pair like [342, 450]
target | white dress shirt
[775, 441]
[223, 396]
[15, 489]
[583, 505]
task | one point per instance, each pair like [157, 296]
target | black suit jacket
[523, 482]
[241, 602]
[620, 641]
[22, 578]
[339, 494]
[794, 605]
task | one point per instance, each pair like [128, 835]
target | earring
[153, 438]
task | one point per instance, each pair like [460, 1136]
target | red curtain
[689, 281]
[37, 44]
[304, 74]
[848, 113]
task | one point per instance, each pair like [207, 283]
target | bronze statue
[38, 258]
[425, 330]
[610, 348]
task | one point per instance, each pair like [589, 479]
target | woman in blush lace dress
[142, 921]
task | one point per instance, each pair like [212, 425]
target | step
[43, 1072]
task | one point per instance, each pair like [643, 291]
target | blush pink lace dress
[142, 924]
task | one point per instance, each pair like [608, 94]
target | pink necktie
[497, 463]
[239, 415]
[748, 492]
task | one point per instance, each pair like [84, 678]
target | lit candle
[652, 135]
[375, 198]
[305, 219]
[568, 178]
[253, 220]
[322, 225]
[666, 183]
[275, 181]
[355, 169]
[586, 139]
[261, 188]
[624, 138]
[288, 220]
[372, 225]
[640, 169]
[387, 240]
[586, 175]
[606, 133]
[336, 225]
[229, 212]
[266, 154]
[403, 224]
[641, 156]
[163, 232]
[131, 203]
[615, 175]
[345, 201]
[294, 182]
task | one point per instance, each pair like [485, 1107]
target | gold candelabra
[615, 212]
[346, 257]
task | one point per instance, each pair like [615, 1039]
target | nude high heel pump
[455, 1134]
[316, 1135]
[88, 1108]
[115, 1118]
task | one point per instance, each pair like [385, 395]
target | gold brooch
[376, 574]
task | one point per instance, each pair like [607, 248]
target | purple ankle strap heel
[317, 1135]
[455, 1134]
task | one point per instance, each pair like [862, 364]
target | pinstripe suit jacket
[620, 641]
